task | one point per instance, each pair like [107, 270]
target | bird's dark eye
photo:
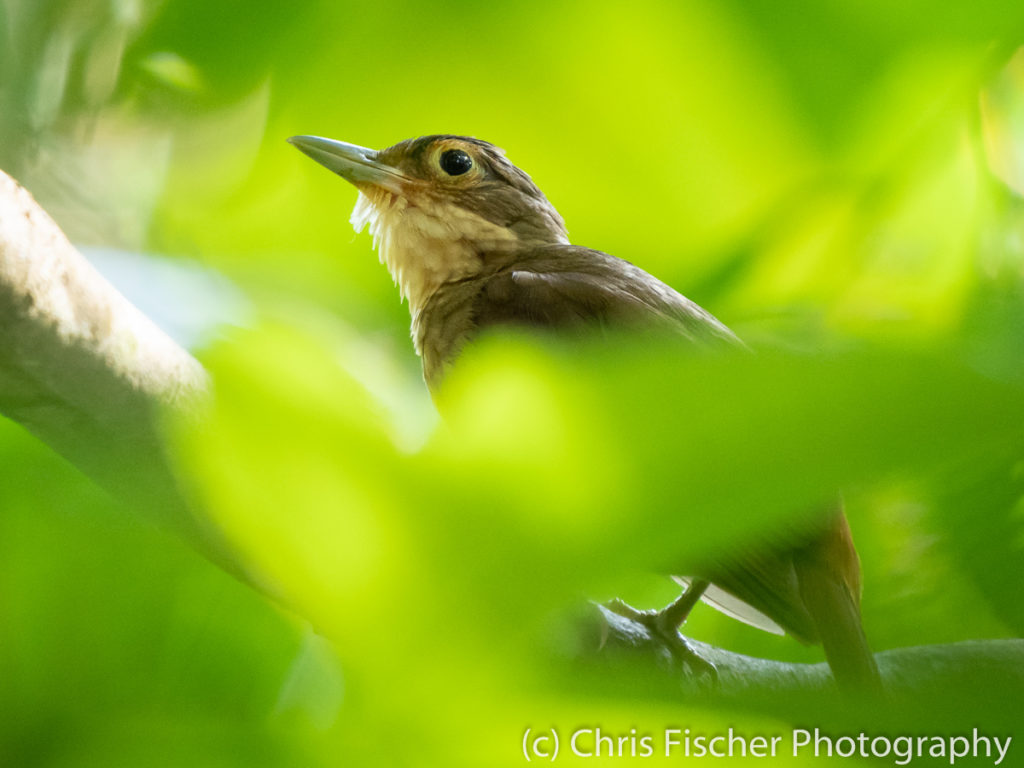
[455, 162]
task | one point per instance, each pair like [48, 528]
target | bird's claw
[697, 664]
[660, 625]
[624, 609]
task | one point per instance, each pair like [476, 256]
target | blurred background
[838, 181]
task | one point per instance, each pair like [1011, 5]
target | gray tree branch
[87, 372]
[987, 677]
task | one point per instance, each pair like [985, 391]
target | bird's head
[440, 208]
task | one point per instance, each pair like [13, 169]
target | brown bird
[473, 243]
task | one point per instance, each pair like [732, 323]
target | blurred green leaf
[117, 643]
[552, 481]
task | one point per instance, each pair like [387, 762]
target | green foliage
[840, 182]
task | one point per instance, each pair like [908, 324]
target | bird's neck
[422, 248]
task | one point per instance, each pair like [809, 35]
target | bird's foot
[664, 626]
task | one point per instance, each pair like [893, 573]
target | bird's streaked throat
[426, 243]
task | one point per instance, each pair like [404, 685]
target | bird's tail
[835, 608]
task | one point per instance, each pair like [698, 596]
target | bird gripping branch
[472, 243]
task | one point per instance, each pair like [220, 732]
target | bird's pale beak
[353, 163]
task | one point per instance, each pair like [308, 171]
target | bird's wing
[565, 285]
[761, 585]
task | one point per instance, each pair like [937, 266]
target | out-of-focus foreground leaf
[557, 474]
[120, 646]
